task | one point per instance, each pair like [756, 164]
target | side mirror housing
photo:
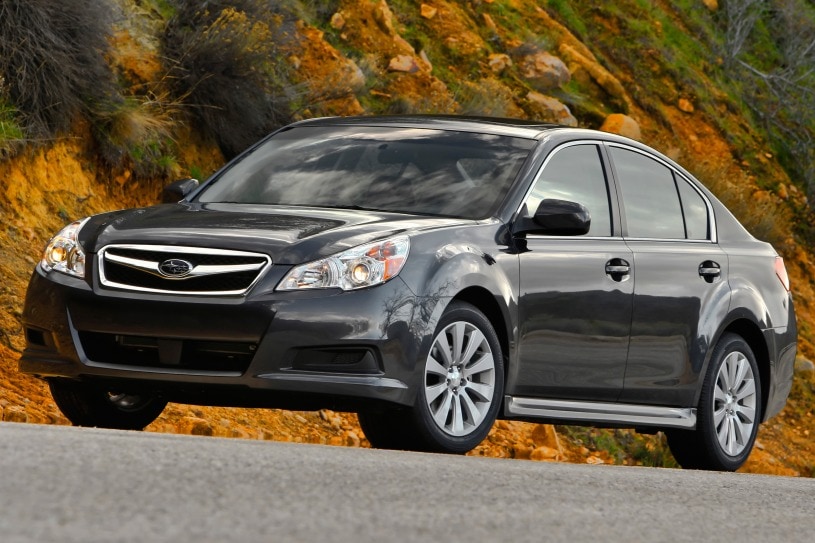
[177, 191]
[557, 218]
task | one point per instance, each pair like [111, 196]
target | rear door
[679, 276]
[575, 291]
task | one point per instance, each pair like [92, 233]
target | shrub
[52, 57]
[222, 65]
[11, 134]
[137, 134]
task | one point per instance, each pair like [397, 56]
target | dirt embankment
[44, 188]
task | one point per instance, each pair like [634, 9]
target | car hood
[290, 235]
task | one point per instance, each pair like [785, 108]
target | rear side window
[576, 174]
[695, 210]
[650, 197]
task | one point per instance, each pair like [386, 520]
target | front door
[575, 299]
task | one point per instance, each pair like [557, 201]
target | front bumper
[320, 348]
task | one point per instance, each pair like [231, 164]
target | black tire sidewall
[433, 436]
[87, 405]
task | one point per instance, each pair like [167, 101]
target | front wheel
[461, 388]
[728, 414]
[88, 405]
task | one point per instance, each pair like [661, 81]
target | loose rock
[617, 123]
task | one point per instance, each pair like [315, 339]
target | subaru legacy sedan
[431, 274]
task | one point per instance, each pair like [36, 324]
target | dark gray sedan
[431, 274]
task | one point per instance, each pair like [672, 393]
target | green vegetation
[222, 64]
[52, 58]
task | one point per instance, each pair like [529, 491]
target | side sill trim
[628, 414]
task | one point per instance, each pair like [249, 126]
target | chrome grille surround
[235, 271]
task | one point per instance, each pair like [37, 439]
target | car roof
[487, 125]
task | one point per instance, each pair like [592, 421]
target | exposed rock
[803, 365]
[488, 22]
[352, 439]
[598, 73]
[338, 20]
[195, 426]
[594, 460]
[384, 18]
[685, 105]
[498, 62]
[711, 5]
[403, 63]
[544, 71]
[15, 413]
[544, 453]
[623, 125]
[423, 57]
[546, 435]
[550, 110]
[428, 12]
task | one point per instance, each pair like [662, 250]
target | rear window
[405, 170]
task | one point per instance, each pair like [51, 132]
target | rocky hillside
[191, 83]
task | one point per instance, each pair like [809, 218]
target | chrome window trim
[170, 249]
[543, 167]
[711, 217]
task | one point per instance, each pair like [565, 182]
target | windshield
[405, 170]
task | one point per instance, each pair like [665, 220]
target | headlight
[64, 253]
[360, 267]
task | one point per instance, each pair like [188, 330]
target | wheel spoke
[435, 368]
[471, 409]
[440, 416]
[458, 416]
[747, 414]
[718, 415]
[731, 436]
[747, 390]
[732, 367]
[473, 344]
[482, 392]
[485, 363]
[719, 395]
[433, 392]
[458, 341]
[443, 347]
[741, 370]
[739, 434]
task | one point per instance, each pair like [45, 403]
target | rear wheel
[461, 390]
[89, 405]
[728, 413]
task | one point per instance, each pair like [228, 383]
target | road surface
[61, 484]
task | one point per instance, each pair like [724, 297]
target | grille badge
[175, 267]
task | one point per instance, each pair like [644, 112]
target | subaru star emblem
[175, 267]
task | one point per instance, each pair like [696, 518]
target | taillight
[781, 272]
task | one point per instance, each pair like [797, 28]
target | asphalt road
[60, 484]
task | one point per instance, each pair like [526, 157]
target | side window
[695, 210]
[576, 174]
[650, 199]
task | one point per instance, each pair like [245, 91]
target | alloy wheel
[734, 404]
[460, 379]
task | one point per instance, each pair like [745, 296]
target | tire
[729, 411]
[88, 405]
[388, 429]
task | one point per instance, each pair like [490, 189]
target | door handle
[709, 270]
[618, 269]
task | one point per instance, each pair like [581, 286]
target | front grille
[180, 270]
[181, 354]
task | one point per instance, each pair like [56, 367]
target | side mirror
[557, 218]
[175, 192]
